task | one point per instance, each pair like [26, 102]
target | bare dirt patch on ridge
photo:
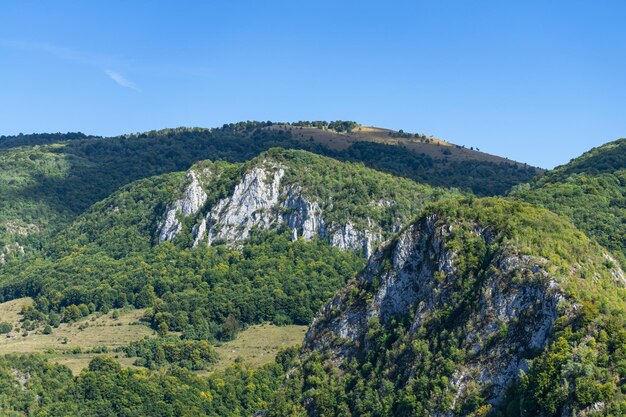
[436, 148]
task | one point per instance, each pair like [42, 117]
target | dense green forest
[591, 191]
[205, 293]
[48, 184]
[194, 355]
[106, 390]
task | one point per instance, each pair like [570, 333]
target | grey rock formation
[250, 206]
[419, 280]
[11, 248]
[192, 200]
[348, 237]
[262, 201]
[303, 216]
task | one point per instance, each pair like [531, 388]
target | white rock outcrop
[262, 201]
[250, 206]
[10, 249]
[190, 203]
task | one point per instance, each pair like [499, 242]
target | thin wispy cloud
[120, 79]
[76, 57]
[64, 53]
[103, 62]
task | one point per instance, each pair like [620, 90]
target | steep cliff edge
[351, 207]
[460, 308]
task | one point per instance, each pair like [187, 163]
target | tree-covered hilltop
[49, 184]
[591, 191]
[41, 139]
[112, 255]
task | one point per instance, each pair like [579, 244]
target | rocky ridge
[506, 313]
[262, 200]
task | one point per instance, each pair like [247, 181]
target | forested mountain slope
[45, 185]
[221, 245]
[591, 191]
[480, 307]
[471, 306]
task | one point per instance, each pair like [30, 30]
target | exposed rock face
[303, 217]
[193, 199]
[10, 249]
[13, 227]
[251, 205]
[348, 237]
[262, 201]
[416, 274]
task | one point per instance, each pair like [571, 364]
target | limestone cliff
[502, 311]
[269, 195]
[192, 200]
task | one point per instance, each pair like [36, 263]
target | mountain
[422, 299]
[591, 191]
[48, 180]
[479, 307]
[267, 240]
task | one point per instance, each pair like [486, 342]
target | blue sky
[537, 81]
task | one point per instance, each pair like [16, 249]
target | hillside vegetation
[425, 159]
[31, 386]
[591, 191]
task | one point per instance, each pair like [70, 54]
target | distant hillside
[40, 139]
[415, 142]
[417, 156]
[48, 185]
[591, 191]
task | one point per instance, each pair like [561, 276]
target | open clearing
[96, 330]
[259, 344]
[434, 147]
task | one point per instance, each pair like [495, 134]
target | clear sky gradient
[537, 81]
